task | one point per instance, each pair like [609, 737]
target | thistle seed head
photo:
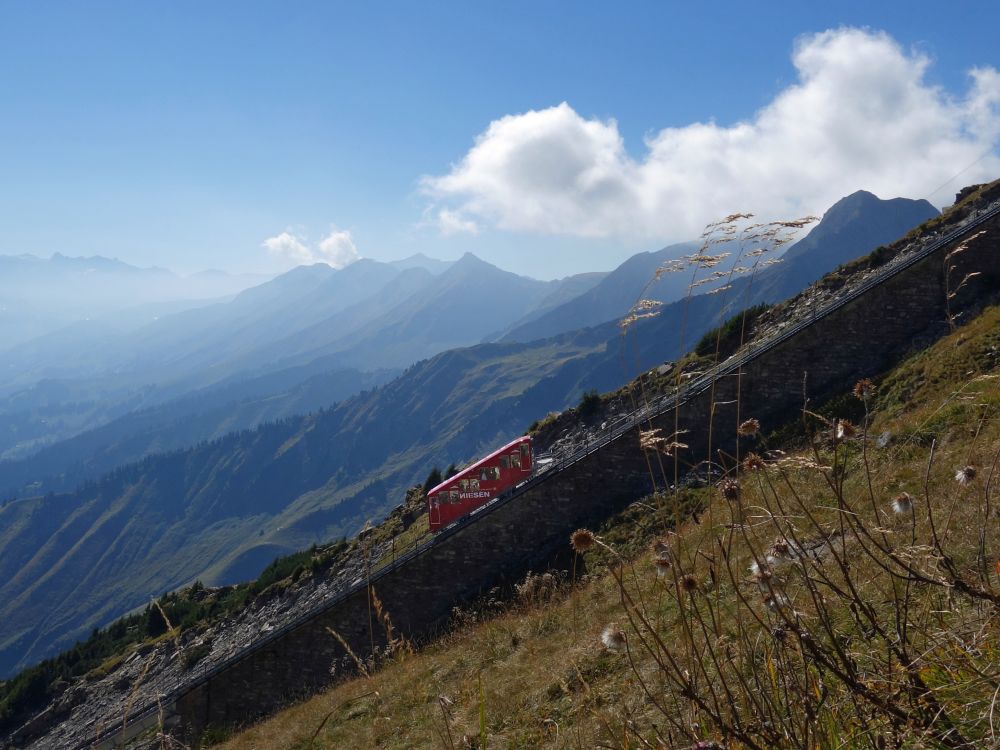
[753, 462]
[748, 428]
[689, 583]
[903, 503]
[613, 638]
[864, 389]
[582, 540]
[661, 548]
[965, 475]
[845, 429]
[780, 549]
[730, 489]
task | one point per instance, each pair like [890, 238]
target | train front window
[525, 448]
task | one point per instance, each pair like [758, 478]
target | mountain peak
[470, 262]
[887, 218]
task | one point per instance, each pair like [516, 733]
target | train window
[515, 459]
[525, 448]
[504, 462]
[475, 485]
[492, 472]
[464, 484]
[454, 496]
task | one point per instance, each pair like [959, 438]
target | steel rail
[616, 430]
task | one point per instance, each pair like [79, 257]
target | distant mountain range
[369, 317]
[219, 510]
[39, 296]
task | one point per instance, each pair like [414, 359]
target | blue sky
[188, 135]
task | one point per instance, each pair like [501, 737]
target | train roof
[481, 462]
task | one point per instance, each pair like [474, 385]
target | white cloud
[452, 222]
[337, 249]
[289, 247]
[861, 115]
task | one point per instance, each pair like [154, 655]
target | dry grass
[885, 634]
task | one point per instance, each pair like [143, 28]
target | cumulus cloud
[337, 249]
[861, 115]
[289, 247]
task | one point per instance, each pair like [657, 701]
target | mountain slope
[459, 307]
[205, 415]
[283, 486]
[611, 297]
[565, 290]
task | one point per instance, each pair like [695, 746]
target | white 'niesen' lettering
[473, 495]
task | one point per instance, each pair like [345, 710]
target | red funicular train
[476, 485]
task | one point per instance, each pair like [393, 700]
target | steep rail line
[139, 720]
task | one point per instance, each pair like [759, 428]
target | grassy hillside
[840, 594]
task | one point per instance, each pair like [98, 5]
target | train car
[476, 485]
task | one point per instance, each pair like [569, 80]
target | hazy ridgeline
[220, 510]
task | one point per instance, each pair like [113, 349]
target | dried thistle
[689, 583]
[663, 566]
[613, 638]
[780, 549]
[748, 428]
[661, 548]
[762, 576]
[753, 462]
[902, 503]
[864, 389]
[965, 475]
[845, 429]
[582, 540]
[730, 489]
